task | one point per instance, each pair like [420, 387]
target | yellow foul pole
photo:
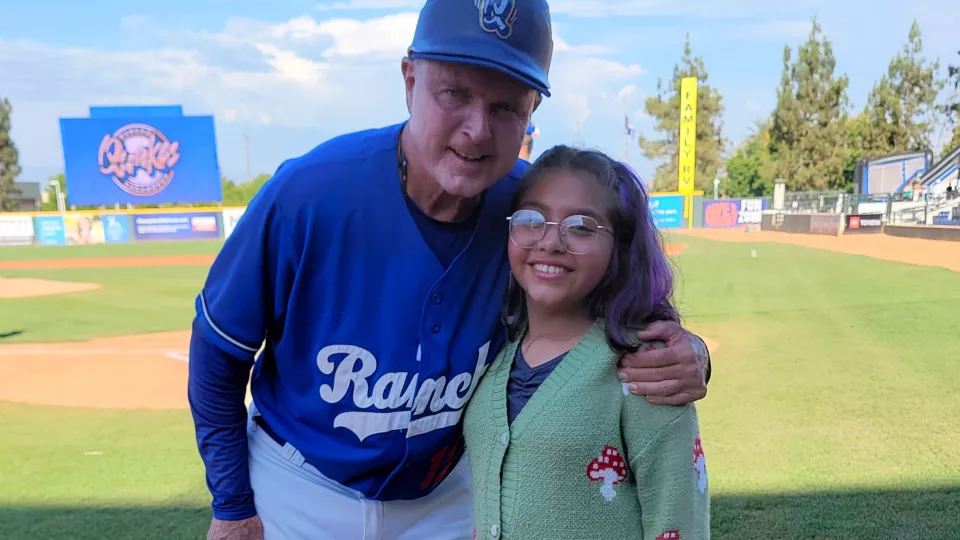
[688, 144]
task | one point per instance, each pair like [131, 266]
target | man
[371, 269]
[526, 148]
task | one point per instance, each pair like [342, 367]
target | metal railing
[913, 208]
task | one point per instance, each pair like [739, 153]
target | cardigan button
[494, 531]
[504, 438]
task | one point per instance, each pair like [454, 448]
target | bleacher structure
[910, 188]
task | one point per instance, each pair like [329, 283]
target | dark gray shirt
[524, 381]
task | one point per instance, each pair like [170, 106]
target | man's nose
[477, 122]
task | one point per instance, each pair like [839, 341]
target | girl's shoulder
[630, 338]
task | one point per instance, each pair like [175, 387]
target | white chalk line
[178, 356]
[92, 352]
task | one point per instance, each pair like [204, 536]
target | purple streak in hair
[642, 281]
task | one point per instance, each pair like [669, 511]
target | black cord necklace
[402, 170]
[402, 166]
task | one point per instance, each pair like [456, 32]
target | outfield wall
[929, 232]
[117, 226]
[823, 224]
[214, 223]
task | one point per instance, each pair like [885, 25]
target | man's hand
[675, 375]
[244, 529]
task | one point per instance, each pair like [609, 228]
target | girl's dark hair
[637, 287]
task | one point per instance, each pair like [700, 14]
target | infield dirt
[878, 246]
[108, 262]
[130, 372]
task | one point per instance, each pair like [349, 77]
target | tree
[242, 194]
[9, 158]
[952, 107]
[901, 105]
[857, 141]
[808, 124]
[665, 108]
[751, 170]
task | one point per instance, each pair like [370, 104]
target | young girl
[557, 448]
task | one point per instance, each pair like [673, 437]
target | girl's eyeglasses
[578, 234]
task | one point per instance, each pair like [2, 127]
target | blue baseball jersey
[371, 344]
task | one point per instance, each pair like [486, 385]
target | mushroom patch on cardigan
[609, 468]
[699, 465]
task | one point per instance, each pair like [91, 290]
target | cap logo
[497, 16]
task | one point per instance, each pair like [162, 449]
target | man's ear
[408, 67]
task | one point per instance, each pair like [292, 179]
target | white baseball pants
[296, 502]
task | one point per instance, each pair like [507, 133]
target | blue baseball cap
[514, 37]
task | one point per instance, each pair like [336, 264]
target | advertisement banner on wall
[83, 229]
[116, 228]
[733, 212]
[828, 224]
[50, 230]
[190, 226]
[863, 224]
[16, 230]
[230, 218]
[667, 211]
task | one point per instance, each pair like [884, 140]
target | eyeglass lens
[577, 233]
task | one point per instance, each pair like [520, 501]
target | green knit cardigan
[584, 458]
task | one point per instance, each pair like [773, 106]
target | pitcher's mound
[29, 287]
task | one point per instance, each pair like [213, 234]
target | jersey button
[494, 531]
[435, 327]
[436, 298]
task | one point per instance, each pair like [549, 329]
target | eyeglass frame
[560, 235]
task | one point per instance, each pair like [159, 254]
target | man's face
[467, 123]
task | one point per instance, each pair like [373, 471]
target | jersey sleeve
[248, 285]
[243, 298]
[667, 460]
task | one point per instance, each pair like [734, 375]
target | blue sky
[292, 73]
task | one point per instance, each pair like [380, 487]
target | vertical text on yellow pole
[687, 145]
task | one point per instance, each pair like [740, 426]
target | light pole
[716, 182]
[61, 204]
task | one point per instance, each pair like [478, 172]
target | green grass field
[832, 412]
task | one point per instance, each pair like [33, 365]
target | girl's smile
[549, 269]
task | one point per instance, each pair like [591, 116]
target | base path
[130, 372]
[878, 246]
[109, 262]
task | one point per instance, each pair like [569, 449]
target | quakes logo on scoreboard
[139, 159]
